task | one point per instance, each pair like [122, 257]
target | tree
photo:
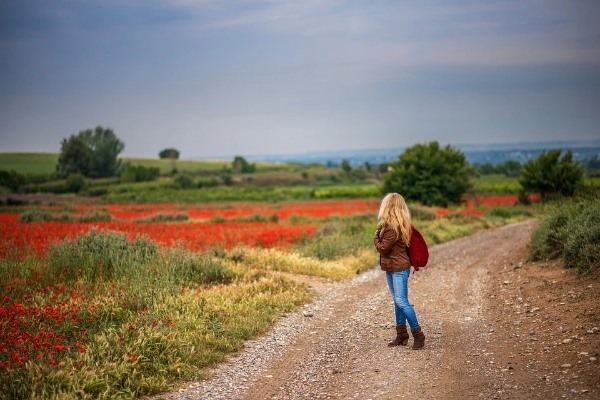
[92, 153]
[346, 167]
[429, 174]
[549, 174]
[512, 168]
[173, 155]
[75, 157]
[169, 153]
[240, 165]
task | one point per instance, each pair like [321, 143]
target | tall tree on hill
[429, 174]
[92, 153]
[172, 155]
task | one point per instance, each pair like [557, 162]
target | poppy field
[105, 300]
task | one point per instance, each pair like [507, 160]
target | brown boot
[401, 336]
[419, 338]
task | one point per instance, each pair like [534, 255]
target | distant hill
[475, 153]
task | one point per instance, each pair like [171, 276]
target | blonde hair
[395, 215]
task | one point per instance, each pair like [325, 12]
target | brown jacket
[392, 252]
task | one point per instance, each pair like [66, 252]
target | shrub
[11, 180]
[570, 231]
[96, 216]
[139, 173]
[99, 254]
[184, 181]
[108, 255]
[35, 215]
[507, 212]
[74, 183]
[207, 182]
[165, 218]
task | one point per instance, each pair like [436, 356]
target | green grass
[45, 163]
[192, 166]
[165, 191]
[29, 163]
[496, 185]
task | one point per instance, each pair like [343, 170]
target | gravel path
[335, 347]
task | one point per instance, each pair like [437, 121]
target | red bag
[418, 253]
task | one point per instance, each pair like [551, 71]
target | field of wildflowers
[103, 301]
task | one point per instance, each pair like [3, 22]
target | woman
[391, 241]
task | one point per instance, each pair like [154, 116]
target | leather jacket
[393, 255]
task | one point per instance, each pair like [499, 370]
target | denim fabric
[398, 285]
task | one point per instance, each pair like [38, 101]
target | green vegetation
[165, 191]
[571, 231]
[494, 184]
[241, 166]
[29, 163]
[552, 175]
[91, 153]
[163, 315]
[36, 214]
[170, 153]
[429, 174]
[510, 168]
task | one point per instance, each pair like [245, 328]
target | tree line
[427, 173]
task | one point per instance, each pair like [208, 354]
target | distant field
[45, 163]
[29, 163]
[166, 166]
[496, 184]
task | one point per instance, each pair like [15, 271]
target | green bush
[165, 218]
[139, 173]
[100, 255]
[571, 231]
[509, 212]
[74, 183]
[96, 216]
[207, 182]
[35, 215]
[11, 180]
[429, 174]
[184, 181]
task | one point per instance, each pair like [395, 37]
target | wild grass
[571, 231]
[165, 218]
[36, 214]
[128, 317]
[139, 317]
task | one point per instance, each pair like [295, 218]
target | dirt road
[496, 328]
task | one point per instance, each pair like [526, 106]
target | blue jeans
[398, 285]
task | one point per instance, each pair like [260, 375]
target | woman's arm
[384, 240]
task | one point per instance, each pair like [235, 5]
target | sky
[222, 77]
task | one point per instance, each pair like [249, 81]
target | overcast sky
[251, 77]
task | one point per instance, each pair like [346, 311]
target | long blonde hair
[395, 215]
